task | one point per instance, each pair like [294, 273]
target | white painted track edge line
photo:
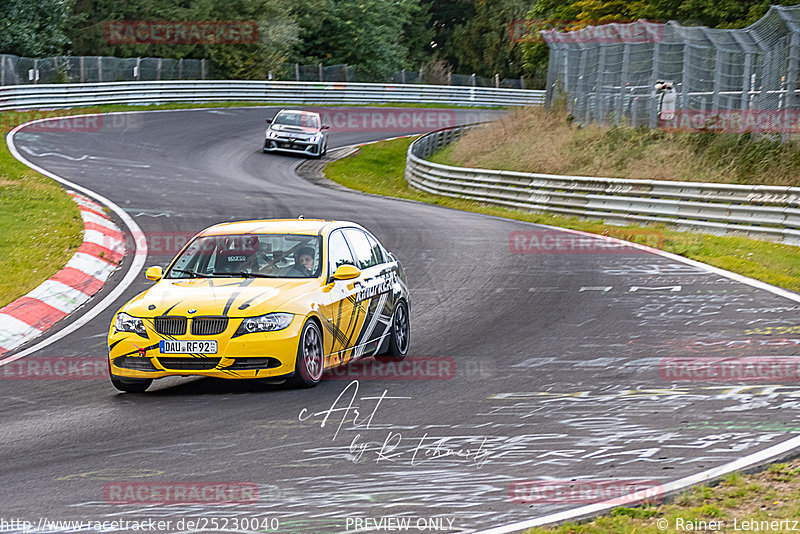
[139, 252]
[775, 451]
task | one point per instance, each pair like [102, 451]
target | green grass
[769, 495]
[379, 168]
[40, 228]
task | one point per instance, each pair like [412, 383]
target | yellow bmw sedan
[284, 298]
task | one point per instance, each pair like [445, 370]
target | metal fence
[348, 73]
[16, 70]
[73, 95]
[609, 73]
[771, 212]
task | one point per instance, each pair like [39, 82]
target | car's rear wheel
[400, 336]
[310, 359]
[131, 385]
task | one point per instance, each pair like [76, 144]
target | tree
[367, 34]
[417, 35]
[277, 32]
[34, 29]
[277, 35]
[446, 16]
[483, 43]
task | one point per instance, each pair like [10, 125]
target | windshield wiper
[244, 274]
[192, 274]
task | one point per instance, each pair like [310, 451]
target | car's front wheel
[310, 359]
[400, 336]
[131, 385]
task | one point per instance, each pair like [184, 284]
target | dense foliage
[377, 37]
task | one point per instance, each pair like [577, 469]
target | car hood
[234, 297]
[285, 128]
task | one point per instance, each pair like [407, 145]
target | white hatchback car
[298, 132]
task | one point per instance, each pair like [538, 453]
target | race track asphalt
[548, 365]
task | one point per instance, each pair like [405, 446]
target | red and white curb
[98, 256]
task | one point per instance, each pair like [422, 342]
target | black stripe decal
[235, 295]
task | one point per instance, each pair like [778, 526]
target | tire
[400, 336]
[131, 385]
[310, 361]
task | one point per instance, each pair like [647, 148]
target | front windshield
[288, 118]
[249, 255]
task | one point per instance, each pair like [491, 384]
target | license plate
[187, 346]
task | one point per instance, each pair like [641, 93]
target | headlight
[316, 138]
[126, 323]
[265, 323]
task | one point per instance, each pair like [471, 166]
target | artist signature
[361, 413]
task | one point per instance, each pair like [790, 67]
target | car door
[372, 297]
[342, 317]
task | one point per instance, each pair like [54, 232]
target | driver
[303, 263]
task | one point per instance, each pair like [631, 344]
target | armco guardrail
[770, 212]
[91, 94]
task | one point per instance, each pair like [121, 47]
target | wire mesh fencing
[348, 73]
[16, 70]
[684, 77]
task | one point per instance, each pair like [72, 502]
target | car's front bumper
[256, 355]
[294, 147]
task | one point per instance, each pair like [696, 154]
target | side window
[361, 248]
[338, 251]
[377, 251]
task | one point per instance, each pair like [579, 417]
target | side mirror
[326, 127]
[346, 272]
[154, 273]
[269, 121]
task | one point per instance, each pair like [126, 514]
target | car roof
[278, 226]
[300, 111]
